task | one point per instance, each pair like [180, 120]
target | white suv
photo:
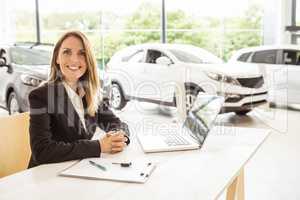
[280, 65]
[149, 72]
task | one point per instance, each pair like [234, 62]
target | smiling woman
[71, 56]
[65, 111]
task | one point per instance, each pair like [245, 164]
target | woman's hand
[113, 142]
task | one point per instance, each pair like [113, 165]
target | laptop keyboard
[175, 140]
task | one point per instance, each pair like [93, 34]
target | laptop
[190, 133]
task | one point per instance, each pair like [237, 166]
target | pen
[97, 165]
[123, 164]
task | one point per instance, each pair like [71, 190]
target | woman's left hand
[118, 140]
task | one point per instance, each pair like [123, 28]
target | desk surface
[197, 174]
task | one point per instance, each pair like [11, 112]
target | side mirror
[163, 60]
[2, 62]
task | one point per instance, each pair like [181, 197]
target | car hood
[39, 71]
[234, 70]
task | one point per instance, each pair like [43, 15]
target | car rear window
[24, 56]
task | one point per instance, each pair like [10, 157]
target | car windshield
[195, 55]
[24, 56]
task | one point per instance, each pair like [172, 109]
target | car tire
[13, 105]
[242, 112]
[117, 99]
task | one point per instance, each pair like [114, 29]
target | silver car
[280, 65]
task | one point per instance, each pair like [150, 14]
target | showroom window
[294, 27]
[110, 27]
[219, 29]
[25, 30]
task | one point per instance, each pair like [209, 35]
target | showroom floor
[274, 172]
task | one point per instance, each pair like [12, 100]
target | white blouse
[76, 100]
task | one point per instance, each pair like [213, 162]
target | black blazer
[56, 132]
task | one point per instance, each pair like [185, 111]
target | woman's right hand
[113, 142]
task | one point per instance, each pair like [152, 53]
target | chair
[14, 143]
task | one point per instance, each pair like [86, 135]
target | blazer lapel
[66, 108]
[90, 122]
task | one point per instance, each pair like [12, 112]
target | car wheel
[242, 112]
[191, 95]
[13, 104]
[117, 98]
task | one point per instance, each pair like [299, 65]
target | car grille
[251, 82]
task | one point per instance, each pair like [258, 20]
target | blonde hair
[92, 87]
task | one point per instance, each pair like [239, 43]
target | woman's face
[72, 60]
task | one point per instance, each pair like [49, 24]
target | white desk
[198, 174]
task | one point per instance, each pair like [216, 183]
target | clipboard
[137, 172]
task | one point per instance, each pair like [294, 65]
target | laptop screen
[201, 117]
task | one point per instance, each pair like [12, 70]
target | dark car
[22, 68]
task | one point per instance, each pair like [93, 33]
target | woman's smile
[73, 68]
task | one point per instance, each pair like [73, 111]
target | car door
[128, 71]
[158, 79]
[291, 59]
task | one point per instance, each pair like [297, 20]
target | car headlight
[223, 78]
[30, 80]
